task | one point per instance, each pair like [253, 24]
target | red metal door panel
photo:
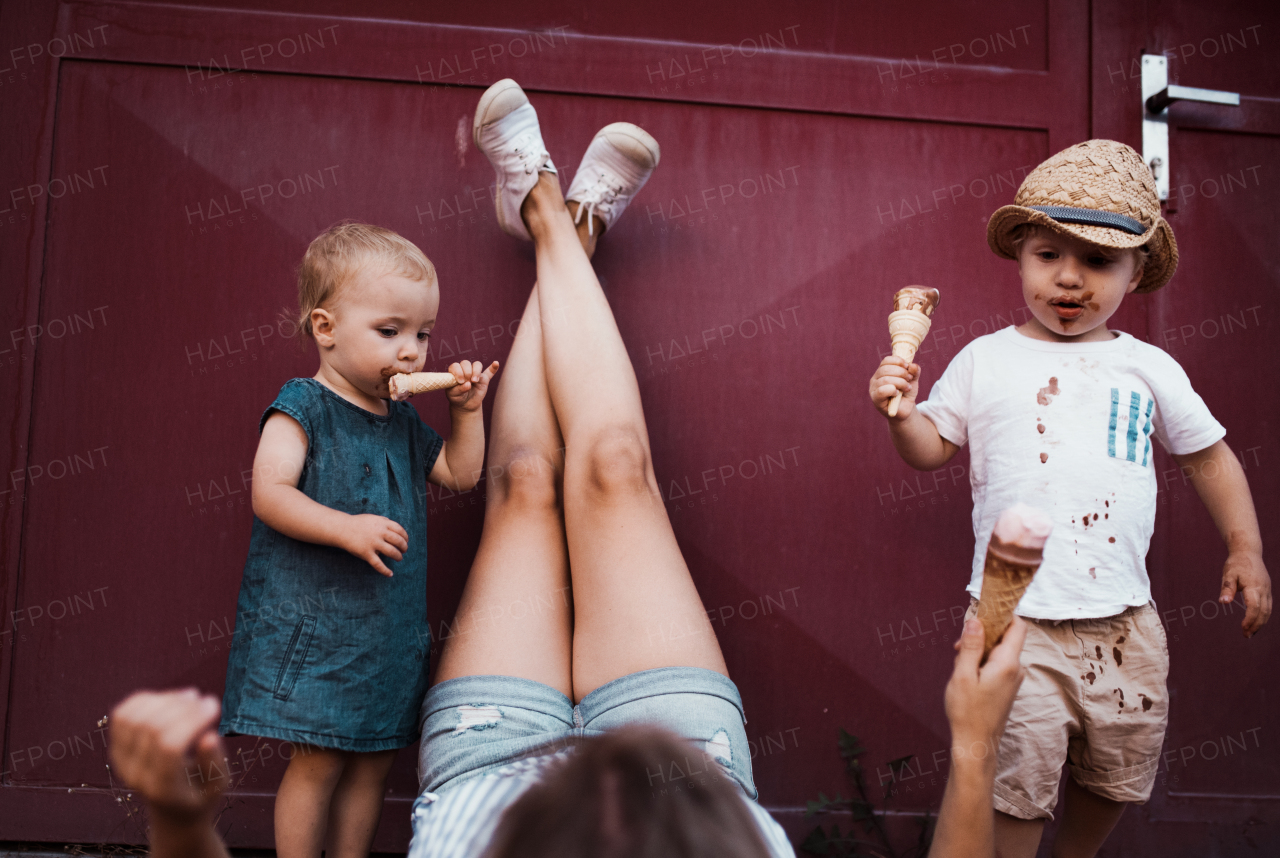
[1220, 313]
[189, 295]
[797, 191]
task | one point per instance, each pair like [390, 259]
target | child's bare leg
[1016, 837]
[302, 802]
[630, 581]
[516, 614]
[1086, 822]
[356, 805]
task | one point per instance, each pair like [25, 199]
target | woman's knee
[616, 462]
[526, 477]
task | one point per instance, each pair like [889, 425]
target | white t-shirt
[1066, 427]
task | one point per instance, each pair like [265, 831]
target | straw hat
[1099, 191]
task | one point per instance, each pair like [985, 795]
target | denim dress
[326, 650]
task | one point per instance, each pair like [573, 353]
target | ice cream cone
[407, 384]
[907, 328]
[1014, 554]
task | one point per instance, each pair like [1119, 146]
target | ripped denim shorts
[474, 725]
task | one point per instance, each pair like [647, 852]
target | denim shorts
[474, 725]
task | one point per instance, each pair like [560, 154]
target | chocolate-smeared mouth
[1067, 308]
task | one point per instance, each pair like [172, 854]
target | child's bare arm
[1221, 484]
[914, 435]
[461, 459]
[277, 466]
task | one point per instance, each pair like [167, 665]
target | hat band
[1092, 217]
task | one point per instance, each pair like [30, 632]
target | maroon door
[171, 163]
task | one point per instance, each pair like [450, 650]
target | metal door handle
[1167, 96]
[1157, 95]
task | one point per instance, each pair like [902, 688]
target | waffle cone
[907, 330]
[1006, 576]
[405, 385]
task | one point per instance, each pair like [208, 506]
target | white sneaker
[615, 167]
[506, 131]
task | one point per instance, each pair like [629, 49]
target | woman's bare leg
[630, 581]
[516, 614]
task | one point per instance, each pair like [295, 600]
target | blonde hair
[343, 251]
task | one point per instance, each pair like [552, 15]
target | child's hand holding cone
[466, 382]
[909, 324]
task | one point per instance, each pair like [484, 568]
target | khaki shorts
[1095, 698]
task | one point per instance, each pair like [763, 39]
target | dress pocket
[295, 655]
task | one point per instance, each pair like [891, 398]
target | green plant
[867, 837]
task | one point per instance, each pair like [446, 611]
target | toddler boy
[1059, 413]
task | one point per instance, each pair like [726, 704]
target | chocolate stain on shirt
[1093, 572]
[1115, 653]
[1046, 394]
[1040, 428]
[1111, 539]
[1044, 457]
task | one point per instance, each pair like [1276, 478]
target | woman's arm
[978, 701]
[1221, 484]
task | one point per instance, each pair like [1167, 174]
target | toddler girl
[330, 650]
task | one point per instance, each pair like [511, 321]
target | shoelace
[531, 159]
[602, 195]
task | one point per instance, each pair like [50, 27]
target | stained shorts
[1094, 697]
[473, 725]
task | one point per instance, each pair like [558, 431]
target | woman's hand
[165, 746]
[978, 699]
[473, 383]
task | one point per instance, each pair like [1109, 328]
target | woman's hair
[344, 250]
[635, 792]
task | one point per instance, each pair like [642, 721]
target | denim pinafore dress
[327, 651]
